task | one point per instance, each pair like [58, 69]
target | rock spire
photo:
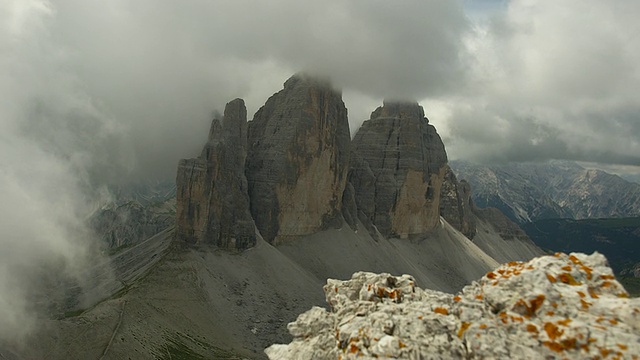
[298, 159]
[212, 199]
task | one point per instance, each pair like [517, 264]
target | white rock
[562, 306]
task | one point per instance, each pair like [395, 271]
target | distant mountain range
[527, 192]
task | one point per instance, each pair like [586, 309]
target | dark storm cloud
[552, 80]
[155, 70]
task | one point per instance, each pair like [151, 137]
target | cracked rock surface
[560, 306]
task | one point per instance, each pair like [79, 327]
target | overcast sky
[96, 92]
[125, 88]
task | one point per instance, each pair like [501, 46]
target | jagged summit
[401, 181]
[298, 159]
[298, 172]
[307, 79]
[212, 204]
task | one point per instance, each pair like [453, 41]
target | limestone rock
[212, 198]
[298, 159]
[399, 170]
[455, 204]
[562, 306]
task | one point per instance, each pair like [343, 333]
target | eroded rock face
[399, 170]
[455, 204]
[298, 159]
[212, 198]
[562, 306]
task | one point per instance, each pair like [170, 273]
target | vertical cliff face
[399, 171]
[456, 205]
[298, 159]
[212, 198]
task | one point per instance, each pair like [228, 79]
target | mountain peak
[394, 109]
[305, 79]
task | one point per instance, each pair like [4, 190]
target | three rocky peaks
[294, 170]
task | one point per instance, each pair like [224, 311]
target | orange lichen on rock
[575, 260]
[529, 310]
[552, 330]
[551, 278]
[463, 327]
[566, 344]
[564, 322]
[587, 270]
[557, 347]
[441, 310]
[491, 275]
[568, 279]
[457, 298]
[532, 328]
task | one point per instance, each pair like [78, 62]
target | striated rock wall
[456, 205]
[298, 160]
[562, 306]
[399, 170]
[212, 202]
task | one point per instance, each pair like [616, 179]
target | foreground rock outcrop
[298, 160]
[212, 203]
[562, 306]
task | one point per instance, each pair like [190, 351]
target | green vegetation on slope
[618, 239]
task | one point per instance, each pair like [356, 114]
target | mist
[100, 93]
